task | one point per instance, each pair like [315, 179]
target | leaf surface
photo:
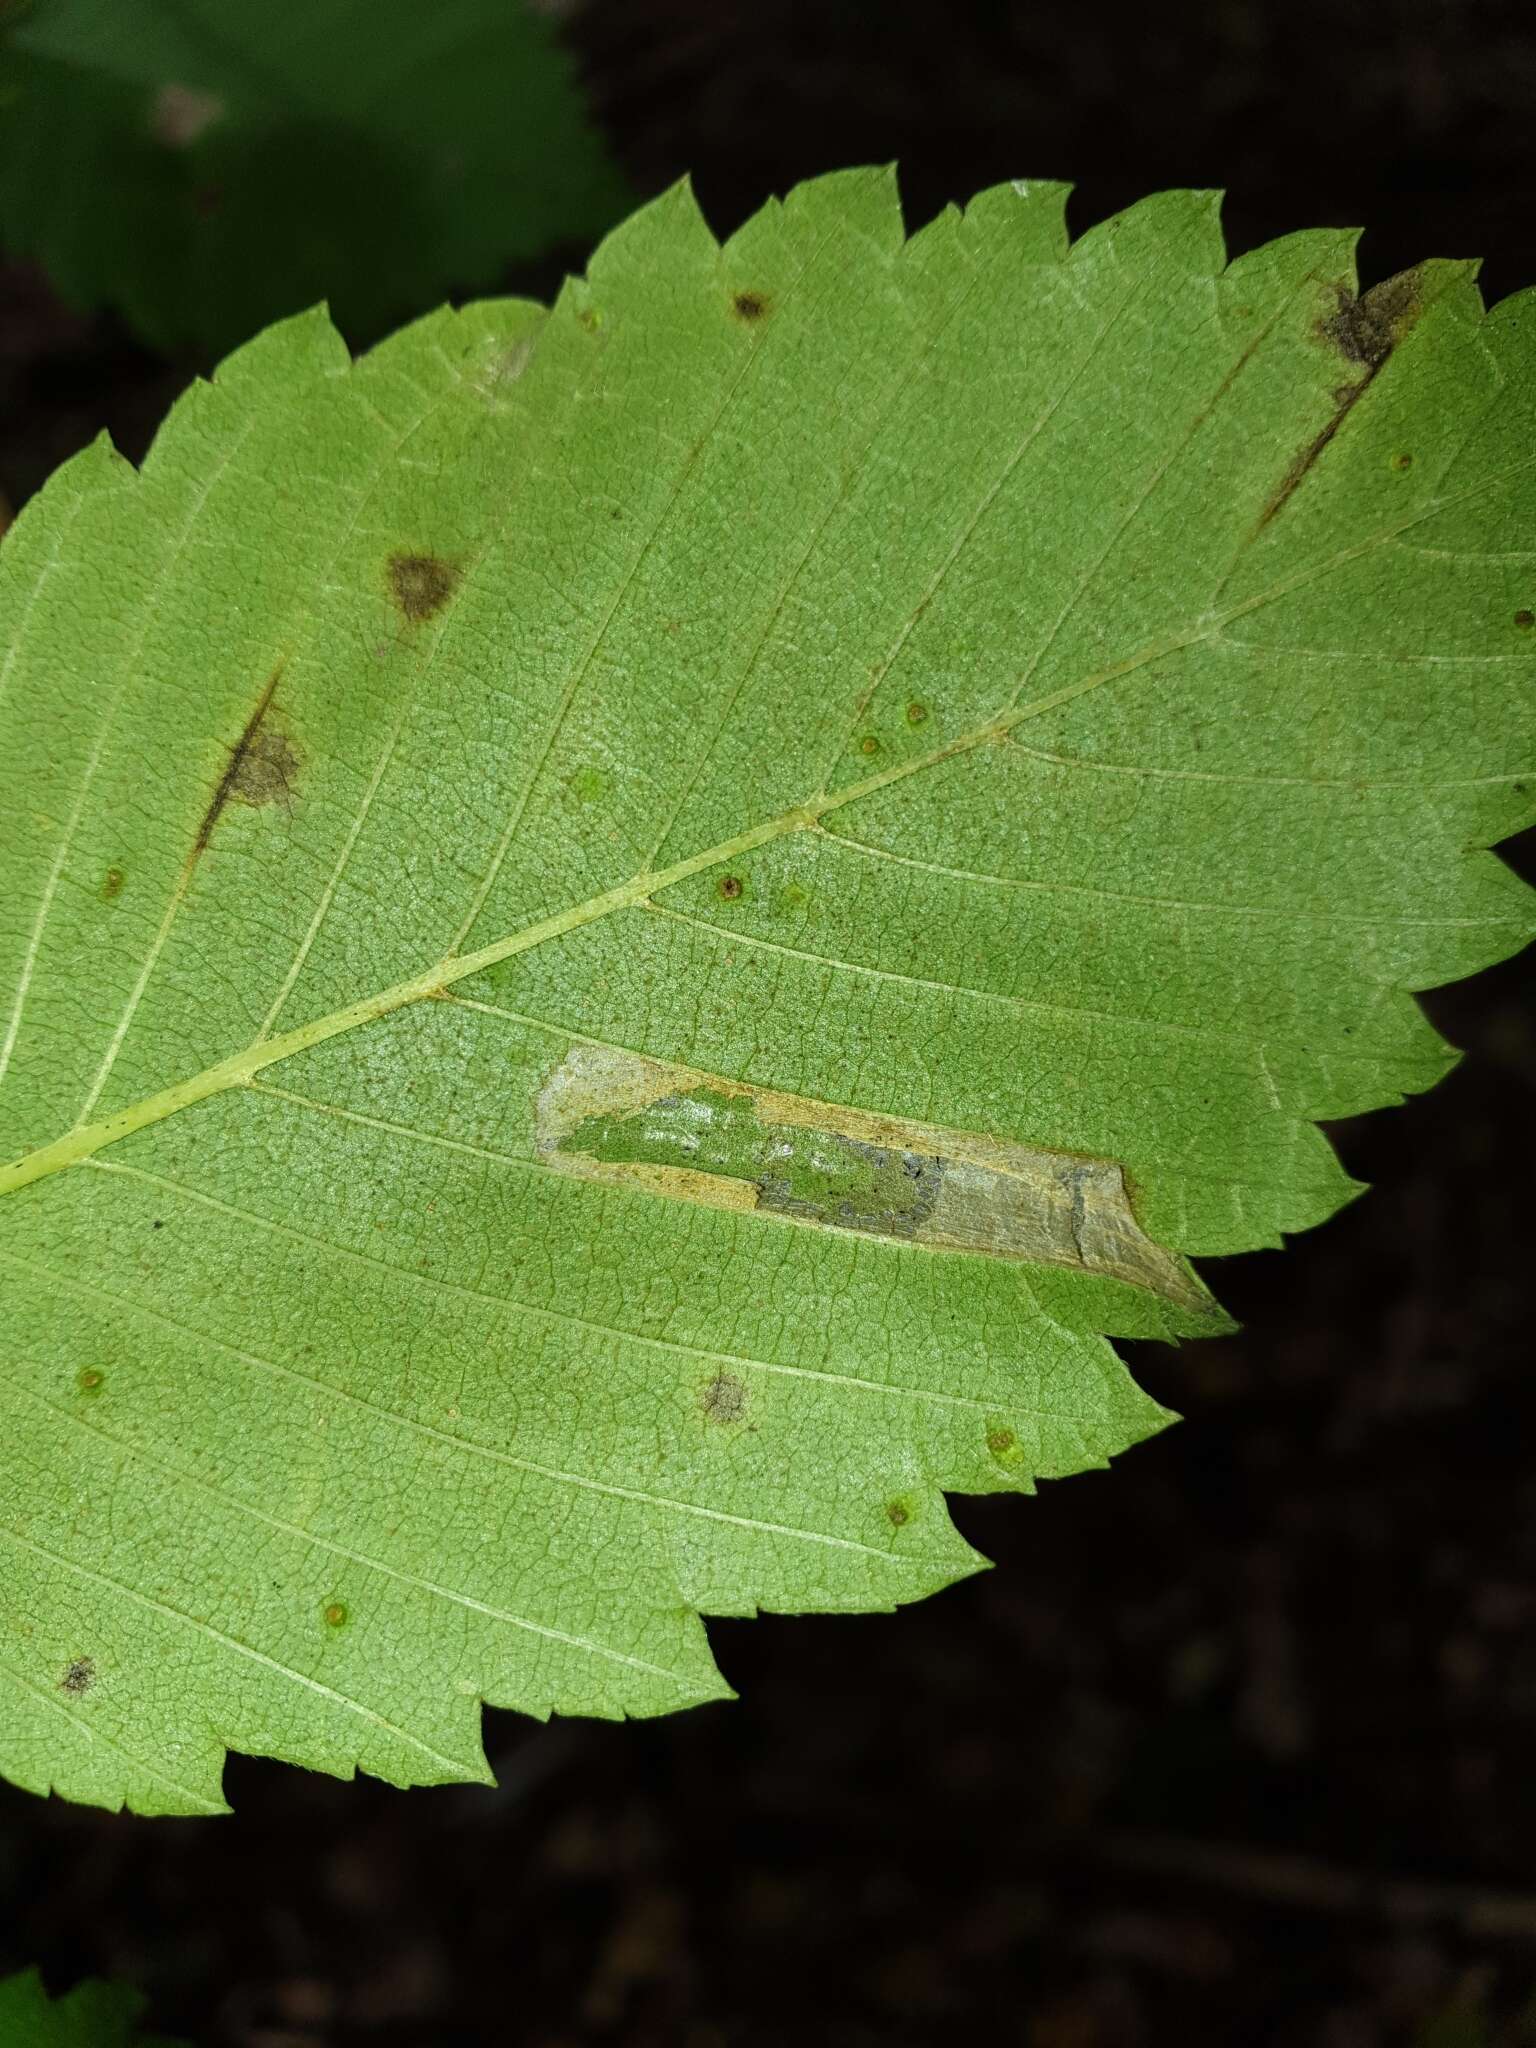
[237, 163]
[631, 931]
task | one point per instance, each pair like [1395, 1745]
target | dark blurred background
[1235, 1744]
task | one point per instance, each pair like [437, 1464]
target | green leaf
[93, 2015]
[632, 930]
[206, 165]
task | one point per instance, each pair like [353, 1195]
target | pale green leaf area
[204, 166]
[93, 2015]
[629, 932]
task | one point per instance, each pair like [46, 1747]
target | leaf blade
[541, 602]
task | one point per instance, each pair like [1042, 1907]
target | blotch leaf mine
[607, 1115]
[721, 882]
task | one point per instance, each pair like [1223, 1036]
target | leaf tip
[303, 344]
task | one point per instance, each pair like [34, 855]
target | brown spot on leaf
[266, 771]
[262, 767]
[730, 887]
[916, 713]
[1525, 620]
[79, 1675]
[724, 1399]
[897, 1513]
[112, 884]
[999, 1441]
[335, 1614]
[421, 584]
[750, 305]
[1364, 331]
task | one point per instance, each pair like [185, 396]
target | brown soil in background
[1236, 1743]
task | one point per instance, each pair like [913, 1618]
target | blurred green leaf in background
[93, 2015]
[204, 166]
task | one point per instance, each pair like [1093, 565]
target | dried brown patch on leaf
[421, 584]
[267, 771]
[1364, 331]
[263, 767]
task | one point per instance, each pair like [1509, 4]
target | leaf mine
[612, 1116]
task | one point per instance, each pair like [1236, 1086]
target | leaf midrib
[240, 1068]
